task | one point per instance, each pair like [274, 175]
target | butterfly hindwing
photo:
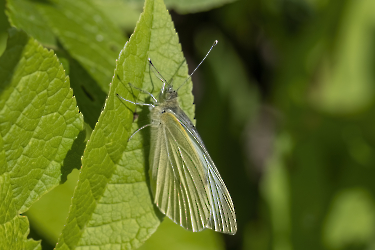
[185, 182]
[179, 183]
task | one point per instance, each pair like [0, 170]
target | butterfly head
[167, 93]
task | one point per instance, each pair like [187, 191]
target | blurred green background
[286, 107]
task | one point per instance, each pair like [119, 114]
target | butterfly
[185, 182]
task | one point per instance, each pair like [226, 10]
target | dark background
[285, 105]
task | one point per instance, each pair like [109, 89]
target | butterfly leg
[145, 126]
[132, 86]
[144, 91]
[135, 103]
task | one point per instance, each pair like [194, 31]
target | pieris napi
[185, 182]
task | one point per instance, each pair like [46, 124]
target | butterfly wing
[223, 217]
[180, 189]
[185, 182]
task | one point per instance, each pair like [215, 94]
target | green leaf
[345, 81]
[275, 188]
[91, 38]
[48, 215]
[90, 97]
[39, 121]
[4, 26]
[169, 236]
[74, 155]
[190, 6]
[123, 14]
[350, 220]
[13, 228]
[23, 14]
[87, 34]
[112, 205]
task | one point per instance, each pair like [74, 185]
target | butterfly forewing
[180, 184]
[186, 184]
[223, 217]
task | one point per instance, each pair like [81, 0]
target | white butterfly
[185, 183]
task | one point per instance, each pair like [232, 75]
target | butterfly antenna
[160, 75]
[187, 79]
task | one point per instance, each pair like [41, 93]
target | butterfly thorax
[167, 102]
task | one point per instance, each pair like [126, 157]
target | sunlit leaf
[24, 15]
[89, 36]
[39, 122]
[112, 205]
